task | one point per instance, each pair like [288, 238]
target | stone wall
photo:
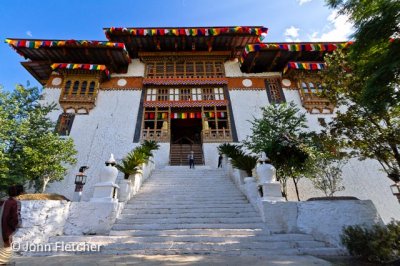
[41, 219]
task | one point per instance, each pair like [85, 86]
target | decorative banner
[294, 47]
[56, 66]
[258, 31]
[34, 44]
[162, 115]
[304, 66]
[185, 115]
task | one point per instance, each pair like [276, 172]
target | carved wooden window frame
[64, 124]
[275, 93]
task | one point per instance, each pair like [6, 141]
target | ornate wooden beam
[253, 62]
[273, 63]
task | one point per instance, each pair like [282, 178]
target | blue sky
[287, 20]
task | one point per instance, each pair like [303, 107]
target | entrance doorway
[186, 131]
[186, 127]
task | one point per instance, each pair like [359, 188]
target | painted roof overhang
[43, 53]
[264, 57]
[232, 39]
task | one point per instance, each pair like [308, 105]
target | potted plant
[130, 165]
[245, 162]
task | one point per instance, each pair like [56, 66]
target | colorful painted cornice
[304, 66]
[294, 47]
[259, 31]
[57, 66]
[61, 43]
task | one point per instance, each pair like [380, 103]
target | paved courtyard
[169, 260]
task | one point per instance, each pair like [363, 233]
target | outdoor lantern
[80, 181]
[396, 190]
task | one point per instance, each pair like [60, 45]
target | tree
[281, 134]
[375, 53]
[328, 176]
[366, 81]
[367, 133]
[33, 151]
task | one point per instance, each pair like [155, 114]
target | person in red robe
[10, 219]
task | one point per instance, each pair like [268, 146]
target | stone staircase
[185, 211]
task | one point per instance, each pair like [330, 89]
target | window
[208, 94]
[75, 88]
[91, 87]
[219, 93]
[274, 90]
[185, 69]
[174, 94]
[151, 94]
[67, 87]
[162, 95]
[196, 94]
[83, 88]
[64, 124]
[311, 99]
[311, 89]
[78, 89]
[185, 95]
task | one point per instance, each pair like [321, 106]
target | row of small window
[79, 88]
[184, 69]
[186, 94]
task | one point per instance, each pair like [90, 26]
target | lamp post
[396, 190]
[80, 181]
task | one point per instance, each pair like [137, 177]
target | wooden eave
[40, 70]
[276, 60]
[233, 43]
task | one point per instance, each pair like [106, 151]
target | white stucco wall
[91, 218]
[211, 154]
[135, 69]
[161, 156]
[246, 106]
[40, 220]
[325, 219]
[232, 69]
[108, 128]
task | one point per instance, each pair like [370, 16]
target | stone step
[296, 238]
[188, 215]
[228, 220]
[188, 251]
[187, 226]
[172, 202]
[191, 232]
[188, 206]
[147, 197]
[224, 246]
[167, 210]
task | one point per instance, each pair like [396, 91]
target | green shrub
[132, 162]
[151, 145]
[244, 162]
[379, 243]
[230, 150]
